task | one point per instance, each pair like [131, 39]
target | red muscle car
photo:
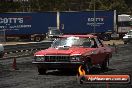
[71, 51]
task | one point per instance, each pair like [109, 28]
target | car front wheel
[87, 66]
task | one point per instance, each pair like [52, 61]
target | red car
[71, 51]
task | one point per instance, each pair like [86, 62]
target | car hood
[65, 51]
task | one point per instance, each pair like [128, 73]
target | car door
[99, 54]
[102, 49]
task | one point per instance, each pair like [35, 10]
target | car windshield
[129, 33]
[72, 41]
[54, 32]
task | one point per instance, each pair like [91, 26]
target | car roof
[81, 36]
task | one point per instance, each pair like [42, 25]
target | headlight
[75, 58]
[39, 58]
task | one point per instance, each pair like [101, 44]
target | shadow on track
[94, 70]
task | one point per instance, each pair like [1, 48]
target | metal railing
[21, 50]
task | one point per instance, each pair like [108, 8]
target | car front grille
[57, 58]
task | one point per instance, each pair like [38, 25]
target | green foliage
[66, 5]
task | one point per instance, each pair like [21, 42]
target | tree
[65, 5]
[119, 5]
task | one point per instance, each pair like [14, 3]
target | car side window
[93, 43]
[100, 42]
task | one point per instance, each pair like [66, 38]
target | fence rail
[20, 50]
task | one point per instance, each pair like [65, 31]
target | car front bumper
[58, 65]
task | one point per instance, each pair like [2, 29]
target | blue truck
[34, 26]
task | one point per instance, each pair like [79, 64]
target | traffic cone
[14, 66]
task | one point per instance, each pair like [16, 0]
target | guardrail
[24, 49]
[21, 50]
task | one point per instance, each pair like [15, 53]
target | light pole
[94, 17]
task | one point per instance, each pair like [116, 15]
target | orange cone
[14, 66]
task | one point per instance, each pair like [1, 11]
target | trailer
[31, 26]
[100, 23]
[34, 25]
[105, 24]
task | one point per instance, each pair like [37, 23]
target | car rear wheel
[104, 65]
[41, 71]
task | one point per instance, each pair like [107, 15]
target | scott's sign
[10, 20]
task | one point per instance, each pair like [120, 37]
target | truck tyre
[41, 71]
[104, 65]
[106, 37]
[37, 38]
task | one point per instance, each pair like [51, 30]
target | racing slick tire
[41, 71]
